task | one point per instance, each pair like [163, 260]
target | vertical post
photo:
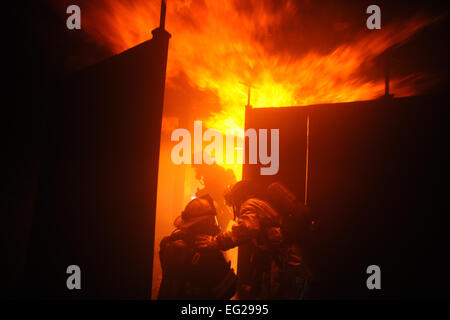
[307, 160]
[162, 18]
[386, 80]
[244, 251]
[160, 42]
[248, 109]
[387, 94]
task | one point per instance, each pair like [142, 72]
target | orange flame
[219, 49]
[214, 44]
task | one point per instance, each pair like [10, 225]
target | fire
[218, 47]
[224, 46]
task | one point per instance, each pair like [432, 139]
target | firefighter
[298, 230]
[187, 271]
[277, 270]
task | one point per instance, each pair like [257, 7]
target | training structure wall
[378, 185]
[97, 190]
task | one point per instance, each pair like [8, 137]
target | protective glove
[204, 241]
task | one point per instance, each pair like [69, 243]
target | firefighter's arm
[243, 231]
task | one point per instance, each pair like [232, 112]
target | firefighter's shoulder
[258, 206]
[173, 240]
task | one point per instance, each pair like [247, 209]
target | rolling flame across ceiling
[224, 46]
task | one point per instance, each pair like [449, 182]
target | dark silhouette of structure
[96, 200]
[377, 181]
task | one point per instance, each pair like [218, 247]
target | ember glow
[218, 48]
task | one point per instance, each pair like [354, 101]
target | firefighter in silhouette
[215, 180]
[298, 228]
[189, 272]
[277, 270]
